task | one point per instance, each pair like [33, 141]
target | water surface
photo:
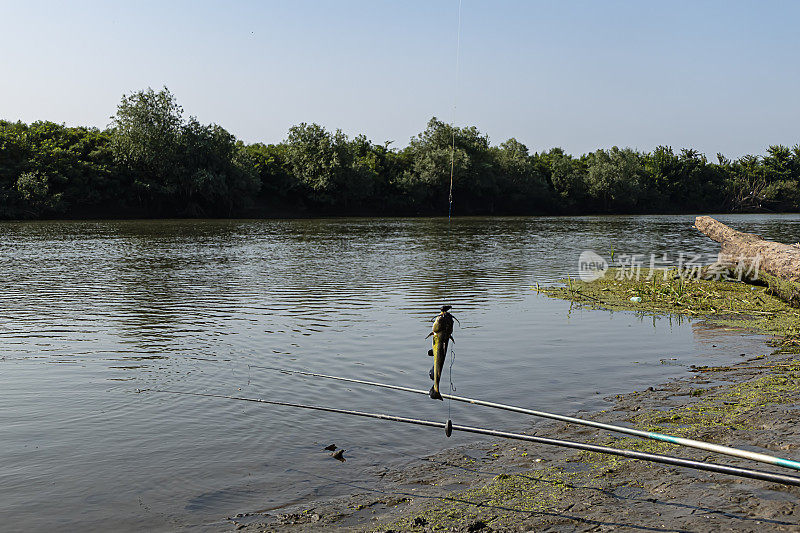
[93, 311]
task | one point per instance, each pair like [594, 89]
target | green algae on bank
[499, 503]
[725, 413]
[722, 302]
[725, 408]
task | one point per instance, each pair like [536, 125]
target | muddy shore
[514, 486]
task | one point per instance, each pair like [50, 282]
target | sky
[717, 76]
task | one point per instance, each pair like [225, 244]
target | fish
[442, 333]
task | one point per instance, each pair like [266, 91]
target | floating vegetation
[725, 303]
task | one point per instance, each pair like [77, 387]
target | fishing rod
[663, 459]
[691, 443]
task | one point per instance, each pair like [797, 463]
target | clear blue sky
[719, 76]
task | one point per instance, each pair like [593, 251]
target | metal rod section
[701, 445]
[664, 459]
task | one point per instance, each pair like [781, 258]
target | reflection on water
[92, 311]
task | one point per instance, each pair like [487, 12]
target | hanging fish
[442, 335]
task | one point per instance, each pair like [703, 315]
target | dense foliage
[154, 162]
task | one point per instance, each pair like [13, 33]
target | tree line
[152, 161]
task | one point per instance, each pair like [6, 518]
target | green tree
[147, 140]
[216, 175]
[178, 166]
[34, 189]
[780, 170]
[522, 186]
[566, 176]
[153, 162]
[279, 188]
[778, 164]
[474, 181]
[318, 160]
[614, 179]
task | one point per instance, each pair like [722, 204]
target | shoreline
[513, 485]
[303, 216]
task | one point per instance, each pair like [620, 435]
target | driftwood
[754, 259]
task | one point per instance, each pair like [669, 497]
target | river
[93, 311]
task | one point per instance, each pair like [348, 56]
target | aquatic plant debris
[725, 303]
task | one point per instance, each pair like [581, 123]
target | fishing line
[448, 428]
[452, 360]
[632, 454]
[455, 105]
[452, 387]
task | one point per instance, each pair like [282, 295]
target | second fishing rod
[632, 454]
[681, 441]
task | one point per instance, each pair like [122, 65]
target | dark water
[92, 311]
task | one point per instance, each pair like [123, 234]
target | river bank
[512, 486]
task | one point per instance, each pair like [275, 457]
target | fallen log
[754, 259]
